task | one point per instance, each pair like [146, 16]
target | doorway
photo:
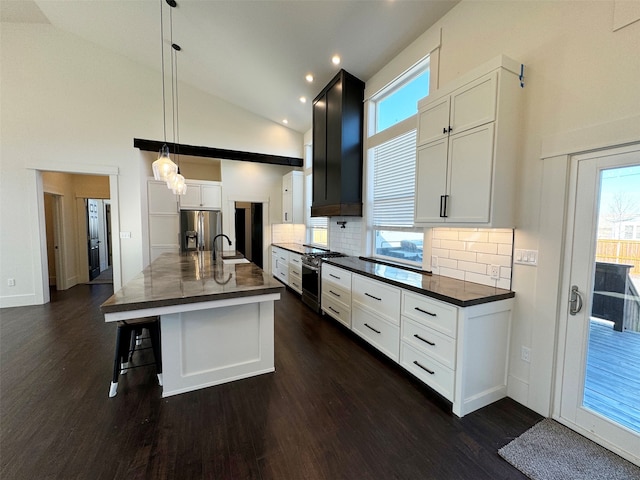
[249, 231]
[600, 379]
[53, 229]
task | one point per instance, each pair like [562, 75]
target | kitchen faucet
[215, 255]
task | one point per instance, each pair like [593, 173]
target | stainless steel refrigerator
[198, 228]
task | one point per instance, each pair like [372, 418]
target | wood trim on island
[221, 153]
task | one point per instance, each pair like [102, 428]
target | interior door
[600, 364]
[93, 227]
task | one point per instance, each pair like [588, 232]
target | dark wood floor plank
[334, 409]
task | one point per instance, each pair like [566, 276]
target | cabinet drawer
[336, 292]
[283, 256]
[426, 340]
[336, 310]
[295, 278]
[379, 333]
[295, 284]
[337, 276]
[295, 259]
[283, 275]
[435, 375]
[432, 313]
[379, 297]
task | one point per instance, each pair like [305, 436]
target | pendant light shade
[163, 167]
[177, 184]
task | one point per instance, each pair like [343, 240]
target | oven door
[311, 287]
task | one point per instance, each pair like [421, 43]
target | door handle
[575, 300]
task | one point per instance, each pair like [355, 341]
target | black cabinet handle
[430, 372]
[444, 130]
[424, 340]
[334, 293]
[443, 205]
[375, 298]
[450, 129]
[334, 310]
[334, 276]
[424, 311]
[371, 328]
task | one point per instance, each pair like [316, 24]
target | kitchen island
[216, 317]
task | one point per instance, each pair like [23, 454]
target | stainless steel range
[312, 276]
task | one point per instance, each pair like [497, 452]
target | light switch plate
[525, 257]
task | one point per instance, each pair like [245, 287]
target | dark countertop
[298, 248]
[175, 279]
[450, 290]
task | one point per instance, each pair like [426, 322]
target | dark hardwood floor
[334, 409]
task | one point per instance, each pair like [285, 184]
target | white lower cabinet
[460, 352]
[335, 299]
[280, 264]
[380, 333]
[295, 271]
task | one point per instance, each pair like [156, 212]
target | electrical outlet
[11, 282]
[525, 354]
[495, 272]
[434, 261]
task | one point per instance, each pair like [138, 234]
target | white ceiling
[252, 53]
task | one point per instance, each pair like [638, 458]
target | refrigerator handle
[200, 245]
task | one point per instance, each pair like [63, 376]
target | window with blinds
[392, 162]
[317, 227]
[394, 181]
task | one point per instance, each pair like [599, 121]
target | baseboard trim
[19, 300]
[518, 390]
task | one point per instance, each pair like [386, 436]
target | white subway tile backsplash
[481, 247]
[472, 267]
[452, 244]
[447, 262]
[468, 253]
[502, 260]
[479, 278]
[347, 240]
[440, 252]
[445, 233]
[451, 273]
[473, 236]
[461, 255]
[505, 249]
[501, 236]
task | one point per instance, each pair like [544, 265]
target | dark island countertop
[298, 248]
[450, 290]
[174, 279]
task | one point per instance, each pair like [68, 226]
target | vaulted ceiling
[252, 53]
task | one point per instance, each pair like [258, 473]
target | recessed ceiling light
[336, 60]
[309, 78]
[285, 121]
[303, 99]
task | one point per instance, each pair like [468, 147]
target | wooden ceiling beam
[221, 153]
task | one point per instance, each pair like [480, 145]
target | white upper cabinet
[467, 149]
[292, 199]
[202, 195]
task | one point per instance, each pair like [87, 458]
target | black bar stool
[127, 337]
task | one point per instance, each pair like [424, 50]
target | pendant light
[163, 168]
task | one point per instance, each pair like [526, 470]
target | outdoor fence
[620, 251]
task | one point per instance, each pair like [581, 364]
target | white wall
[578, 73]
[70, 105]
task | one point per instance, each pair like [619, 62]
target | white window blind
[394, 181]
[313, 222]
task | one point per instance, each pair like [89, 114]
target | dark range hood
[338, 114]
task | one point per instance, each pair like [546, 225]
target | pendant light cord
[164, 108]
